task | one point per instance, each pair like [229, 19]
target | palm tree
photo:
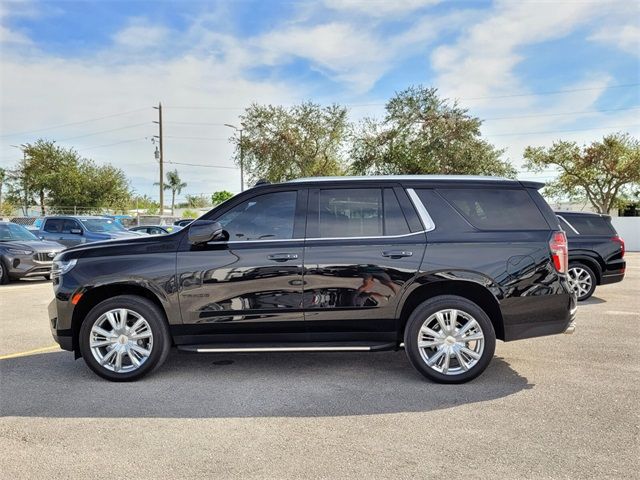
[175, 184]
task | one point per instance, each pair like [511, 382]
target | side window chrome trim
[570, 226]
[240, 242]
[422, 211]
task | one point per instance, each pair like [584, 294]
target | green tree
[600, 171]
[197, 201]
[175, 184]
[219, 197]
[189, 214]
[280, 143]
[422, 133]
[61, 178]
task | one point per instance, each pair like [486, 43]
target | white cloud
[624, 37]
[139, 34]
[379, 8]
[8, 36]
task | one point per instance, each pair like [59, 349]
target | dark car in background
[441, 266]
[24, 255]
[156, 229]
[596, 251]
[75, 230]
[183, 222]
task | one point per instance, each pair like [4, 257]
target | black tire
[4, 273]
[157, 323]
[582, 295]
[425, 310]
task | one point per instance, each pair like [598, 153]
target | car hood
[35, 245]
[125, 245]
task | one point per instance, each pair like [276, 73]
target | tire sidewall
[4, 275]
[591, 273]
[424, 311]
[157, 323]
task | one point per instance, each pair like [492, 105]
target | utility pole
[241, 153]
[161, 158]
[25, 207]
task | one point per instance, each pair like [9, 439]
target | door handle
[397, 253]
[282, 257]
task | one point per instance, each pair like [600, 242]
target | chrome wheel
[121, 340]
[580, 280]
[451, 341]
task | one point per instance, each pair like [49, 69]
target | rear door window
[353, 212]
[496, 208]
[590, 224]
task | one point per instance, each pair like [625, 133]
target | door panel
[250, 287]
[359, 256]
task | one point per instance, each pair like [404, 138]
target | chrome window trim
[375, 237]
[570, 226]
[422, 210]
[374, 178]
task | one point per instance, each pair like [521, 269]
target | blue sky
[535, 70]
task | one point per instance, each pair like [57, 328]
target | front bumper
[25, 266]
[62, 336]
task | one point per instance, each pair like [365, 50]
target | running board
[284, 347]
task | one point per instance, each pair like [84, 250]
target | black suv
[441, 265]
[596, 252]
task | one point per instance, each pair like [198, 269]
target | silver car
[22, 254]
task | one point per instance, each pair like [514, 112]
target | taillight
[559, 251]
[617, 239]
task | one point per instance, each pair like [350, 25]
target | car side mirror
[203, 231]
[75, 231]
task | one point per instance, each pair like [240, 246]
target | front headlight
[17, 251]
[60, 267]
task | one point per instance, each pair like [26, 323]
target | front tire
[124, 338]
[4, 273]
[449, 339]
[582, 279]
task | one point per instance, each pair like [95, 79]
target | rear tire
[582, 279]
[449, 339]
[124, 338]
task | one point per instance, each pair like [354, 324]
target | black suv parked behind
[443, 265]
[596, 252]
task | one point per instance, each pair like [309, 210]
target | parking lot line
[51, 348]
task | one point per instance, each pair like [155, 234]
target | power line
[104, 131]
[196, 138]
[559, 114]
[560, 131]
[73, 123]
[202, 165]
[111, 144]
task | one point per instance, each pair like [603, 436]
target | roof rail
[262, 181]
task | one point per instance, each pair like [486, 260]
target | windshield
[10, 232]
[102, 225]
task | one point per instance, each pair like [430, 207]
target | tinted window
[567, 227]
[69, 225]
[265, 217]
[394, 221]
[590, 224]
[54, 225]
[496, 209]
[350, 213]
[12, 231]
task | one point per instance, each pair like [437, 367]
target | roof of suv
[419, 178]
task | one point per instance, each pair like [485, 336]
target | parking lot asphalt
[557, 407]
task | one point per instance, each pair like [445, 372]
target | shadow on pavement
[242, 385]
[592, 301]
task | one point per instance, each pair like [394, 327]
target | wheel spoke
[441, 322]
[134, 359]
[140, 336]
[453, 320]
[140, 350]
[432, 333]
[472, 337]
[468, 325]
[107, 358]
[447, 360]
[102, 332]
[102, 343]
[429, 344]
[112, 320]
[122, 315]
[118, 364]
[470, 353]
[432, 361]
[140, 322]
[461, 361]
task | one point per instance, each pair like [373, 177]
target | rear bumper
[538, 316]
[611, 278]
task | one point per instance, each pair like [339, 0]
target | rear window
[496, 209]
[590, 224]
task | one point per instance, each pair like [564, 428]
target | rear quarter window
[590, 224]
[496, 208]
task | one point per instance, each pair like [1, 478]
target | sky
[87, 74]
